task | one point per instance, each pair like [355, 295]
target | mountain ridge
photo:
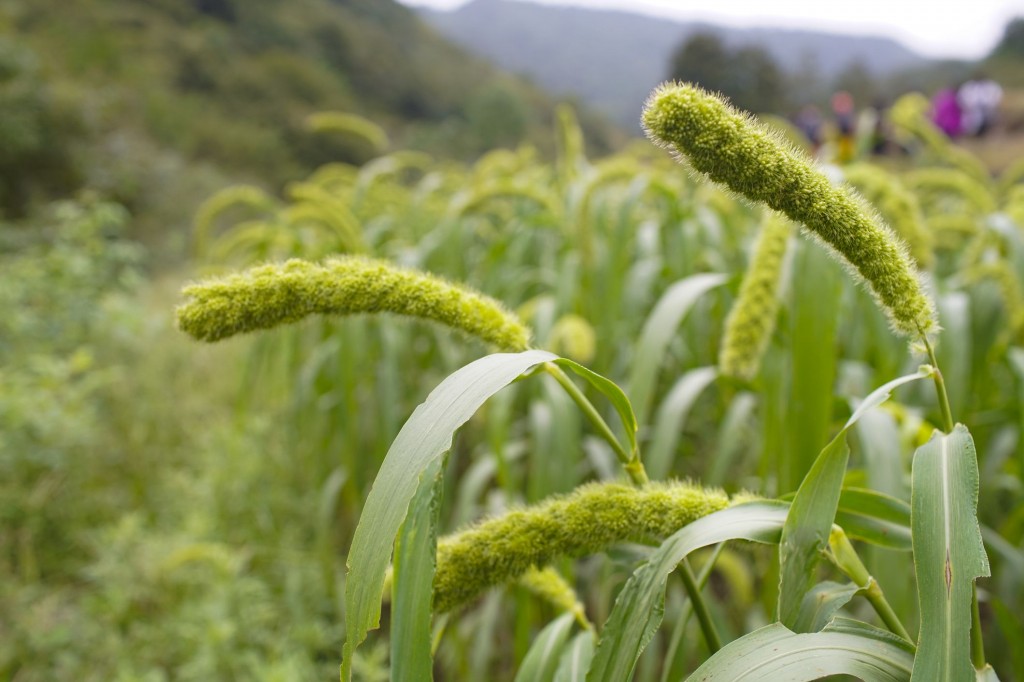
[579, 51]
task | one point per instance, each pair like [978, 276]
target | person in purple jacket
[946, 112]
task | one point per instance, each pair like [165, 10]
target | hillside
[154, 102]
[611, 59]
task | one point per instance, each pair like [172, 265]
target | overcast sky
[939, 28]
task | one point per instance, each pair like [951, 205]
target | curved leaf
[413, 585]
[542, 659]
[658, 331]
[813, 510]
[640, 605]
[776, 653]
[576, 659]
[668, 425]
[423, 439]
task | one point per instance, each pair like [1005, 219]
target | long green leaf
[776, 653]
[822, 602]
[413, 586]
[672, 413]
[542, 659]
[658, 331]
[874, 518]
[814, 321]
[610, 390]
[805, 535]
[576, 659]
[813, 510]
[423, 439]
[948, 553]
[640, 605]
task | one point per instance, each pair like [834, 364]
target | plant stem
[977, 641]
[846, 559]
[876, 597]
[700, 607]
[630, 461]
[940, 387]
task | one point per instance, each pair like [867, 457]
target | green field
[171, 510]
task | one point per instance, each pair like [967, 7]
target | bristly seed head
[732, 149]
[270, 295]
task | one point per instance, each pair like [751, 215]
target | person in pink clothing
[946, 112]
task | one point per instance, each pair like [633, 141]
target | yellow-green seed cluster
[751, 321]
[549, 585]
[586, 521]
[897, 205]
[1005, 278]
[731, 149]
[270, 295]
[947, 182]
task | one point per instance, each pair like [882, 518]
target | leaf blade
[776, 653]
[639, 607]
[948, 552]
[425, 437]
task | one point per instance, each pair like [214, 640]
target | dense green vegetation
[184, 512]
[157, 104]
[171, 510]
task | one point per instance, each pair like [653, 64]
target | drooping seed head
[270, 295]
[898, 206]
[588, 520]
[751, 321]
[733, 150]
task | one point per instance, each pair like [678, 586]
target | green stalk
[846, 559]
[631, 463]
[940, 387]
[700, 607]
[977, 641]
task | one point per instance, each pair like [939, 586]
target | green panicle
[732, 149]
[270, 295]
[573, 337]
[549, 585]
[951, 230]
[236, 196]
[339, 122]
[909, 114]
[588, 520]
[751, 321]
[1011, 176]
[1014, 205]
[944, 183]
[1001, 273]
[898, 206]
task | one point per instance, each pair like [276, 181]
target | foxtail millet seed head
[270, 295]
[587, 520]
[732, 149]
[751, 321]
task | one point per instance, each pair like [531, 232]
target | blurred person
[846, 125]
[979, 100]
[811, 124]
[946, 112]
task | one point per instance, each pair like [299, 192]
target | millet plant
[396, 553]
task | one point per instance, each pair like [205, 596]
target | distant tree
[749, 77]
[857, 80]
[497, 115]
[760, 83]
[702, 59]
[1012, 43]
[36, 135]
